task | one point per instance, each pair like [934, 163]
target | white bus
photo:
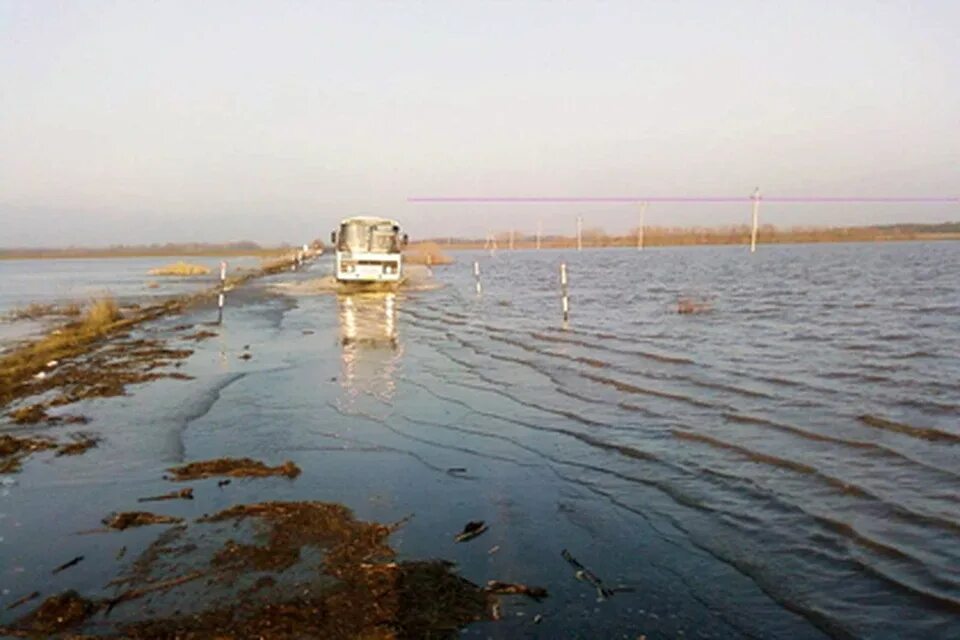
[369, 250]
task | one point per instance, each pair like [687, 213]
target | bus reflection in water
[370, 343]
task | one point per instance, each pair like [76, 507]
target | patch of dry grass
[70, 339]
[36, 311]
[101, 314]
[180, 269]
[428, 253]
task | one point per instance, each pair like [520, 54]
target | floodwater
[786, 465]
[62, 281]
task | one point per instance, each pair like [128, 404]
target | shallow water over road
[785, 465]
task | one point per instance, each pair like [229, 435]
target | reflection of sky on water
[370, 344]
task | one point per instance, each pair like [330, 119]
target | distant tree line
[733, 234]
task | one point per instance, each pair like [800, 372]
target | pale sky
[136, 121]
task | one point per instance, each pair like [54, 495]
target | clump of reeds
[181, 269]
[100, 314]
[426, 253]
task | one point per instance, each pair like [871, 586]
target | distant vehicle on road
[369, 250]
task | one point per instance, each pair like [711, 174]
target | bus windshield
[359, 237]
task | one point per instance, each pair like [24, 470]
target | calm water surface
[787, 465]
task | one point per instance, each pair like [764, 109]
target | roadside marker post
[476, 275]
[223, 288]
[564, 292]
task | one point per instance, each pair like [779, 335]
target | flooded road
[784, 465]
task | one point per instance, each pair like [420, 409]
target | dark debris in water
[510, 588]
[233, 467]
[182, 494]
[55, 615]
[252, 571]
[127, 519]
[81, 443]
[68, 564]
[14, 449]
[200, 335]
[470, 531]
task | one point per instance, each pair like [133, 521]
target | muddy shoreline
[284, 569]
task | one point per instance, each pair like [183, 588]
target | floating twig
[515, 589]
[121, 521]
[470, 531]
[27, 598]
[67, 565]
[132, 594]
[591, 578]
[183, 494]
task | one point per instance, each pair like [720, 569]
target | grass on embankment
[100, 317]
[36, 311]
[101, 320]
[180, 269]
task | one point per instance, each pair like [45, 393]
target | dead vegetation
[13, 450]
[24, 371]
[232, 467]
[182, 269]
[38, 311]
[56, 614]
[689, 305]
[428, 253]
[200, 336]
[127, 519]
[104, 370]
[251, 571]
[81, 443]
[182, 494]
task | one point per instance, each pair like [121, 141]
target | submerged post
[643, 209]
[756, 218]
[223, 287]
[476, 275]
[564, 293]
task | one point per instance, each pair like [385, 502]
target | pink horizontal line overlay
[692, 199]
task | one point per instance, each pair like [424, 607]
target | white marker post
[476, 275]
[756, 219]
[579, 233]
[511, 239]
[643, 209]
[223, 287]
[564, 293]
[539, 232]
